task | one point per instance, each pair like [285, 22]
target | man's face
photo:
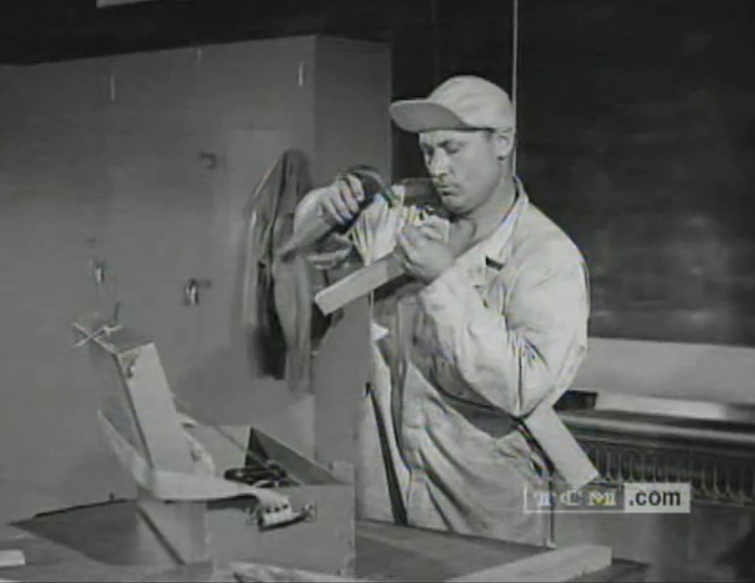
[464, 165]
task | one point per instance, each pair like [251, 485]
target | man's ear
[504, 141]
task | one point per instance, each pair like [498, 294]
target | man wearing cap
[495, 322]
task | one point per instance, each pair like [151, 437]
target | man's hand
[423, 252]
[341, 202]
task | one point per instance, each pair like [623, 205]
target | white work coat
[458, 363]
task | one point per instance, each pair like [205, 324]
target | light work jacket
[458, 363]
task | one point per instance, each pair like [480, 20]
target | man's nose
[438, 164]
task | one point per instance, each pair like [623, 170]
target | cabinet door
[180, 181]
[236, 392]
[53, 207]
[160, 208]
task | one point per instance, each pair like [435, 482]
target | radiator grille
[722, 475]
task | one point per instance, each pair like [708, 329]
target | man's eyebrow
[442, 144]
[450, 142]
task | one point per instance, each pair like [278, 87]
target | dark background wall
[637, 135]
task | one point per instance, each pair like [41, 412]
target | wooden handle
[372, 186]
[305, 237]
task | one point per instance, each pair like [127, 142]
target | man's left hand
[423, 252]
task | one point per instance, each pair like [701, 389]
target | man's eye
[452, 148]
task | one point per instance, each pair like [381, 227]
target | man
[496, 322]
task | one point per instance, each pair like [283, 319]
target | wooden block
[12, 558]
[358, 284]
[552, 566]
[562, 448]
[270, 573]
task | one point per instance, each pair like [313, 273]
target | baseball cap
[459, 103]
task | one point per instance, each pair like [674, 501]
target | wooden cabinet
[53, 206]
[144, 163]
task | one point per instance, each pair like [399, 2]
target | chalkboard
[636, 135]
[637, 127]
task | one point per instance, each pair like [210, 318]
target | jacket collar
[492, 252]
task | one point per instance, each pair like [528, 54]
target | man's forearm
[493, 362]
[307, 210]
[504, 368]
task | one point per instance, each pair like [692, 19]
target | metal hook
[191, 290]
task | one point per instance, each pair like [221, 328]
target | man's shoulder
[537, 235]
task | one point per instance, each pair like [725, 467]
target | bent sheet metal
[143, 427]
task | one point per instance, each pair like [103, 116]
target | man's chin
[449, 197]
[452, 203]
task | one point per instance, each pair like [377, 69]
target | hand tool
[372, 185]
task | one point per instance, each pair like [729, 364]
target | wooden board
[551, 566]
[253, 572]
[107, 541]
[388, 552]
[11, 558]
[565, 453]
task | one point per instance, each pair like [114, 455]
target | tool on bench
[262, 474]
[270, 474]
[268, 518]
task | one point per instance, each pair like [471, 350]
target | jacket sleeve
[373, 233]
[515, 359]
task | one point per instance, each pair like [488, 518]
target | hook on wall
[191, 290]
[209, 159]
[100, 269]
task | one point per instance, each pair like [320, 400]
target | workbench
[103, 543]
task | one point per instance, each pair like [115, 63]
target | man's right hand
[341, 202]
